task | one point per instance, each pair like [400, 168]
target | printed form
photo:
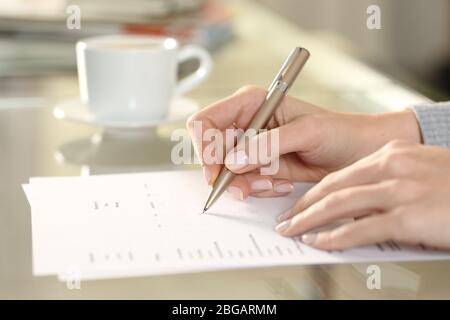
[150, 223]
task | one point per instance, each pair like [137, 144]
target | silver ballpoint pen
[275, 94]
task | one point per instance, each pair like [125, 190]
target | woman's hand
[312, 141]
[399, 193]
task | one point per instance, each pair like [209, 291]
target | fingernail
[285, 215]
[261, 185]
[236, 192]
[282, 226]
[284, 187]
[207, 175]
[236, 160]
[309, 238]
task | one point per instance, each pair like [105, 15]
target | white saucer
[74, 110]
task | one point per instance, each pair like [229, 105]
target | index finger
[235, 111]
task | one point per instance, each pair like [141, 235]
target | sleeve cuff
[434, 122]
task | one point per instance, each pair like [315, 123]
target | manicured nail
[207, 175]
[236, 160]
[236, 192]
[284, 187]
[261, 185]
[309, 238]
[285, 215]
[282, 226]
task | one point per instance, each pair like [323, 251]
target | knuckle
[397, 189]
[298, 205]
[409, 187]
[390, 193]
[393, 186]
[327, 239]
[327, 203]
[250, 89]
[396, 162]
[325, 186]
[395, 155]
[327, 179]
[401, 223]
[409, 190]
[395, 144]
[330, 200]
[337, 238]
[191, 120]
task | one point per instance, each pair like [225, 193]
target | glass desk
[34, 143]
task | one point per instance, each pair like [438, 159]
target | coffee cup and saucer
[130, 82]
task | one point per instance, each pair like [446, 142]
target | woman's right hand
[312, 141]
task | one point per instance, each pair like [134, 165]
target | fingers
[253, 184]
[369, 230]
[266, 147]
[362, 172]
[235, 111]
[352, 202]
[281, 187]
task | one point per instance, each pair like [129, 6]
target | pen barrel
[281, 84]
[223, 180]
[267, 109]
[277, 90]
[300, 56]
[273, 99]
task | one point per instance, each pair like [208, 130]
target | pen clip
[285, 66]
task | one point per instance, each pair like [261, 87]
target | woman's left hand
[400, 193]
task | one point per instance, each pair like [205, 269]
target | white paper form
[150, 223]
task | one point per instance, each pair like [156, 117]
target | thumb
[265, 148]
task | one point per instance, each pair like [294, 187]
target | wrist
[399, 125]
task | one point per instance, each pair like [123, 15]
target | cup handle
[193, 52]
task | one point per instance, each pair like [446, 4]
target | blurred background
[412, 45]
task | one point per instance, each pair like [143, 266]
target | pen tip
[204, 210]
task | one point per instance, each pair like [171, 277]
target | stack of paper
[150, 223]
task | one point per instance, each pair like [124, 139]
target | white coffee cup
[134, 78]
